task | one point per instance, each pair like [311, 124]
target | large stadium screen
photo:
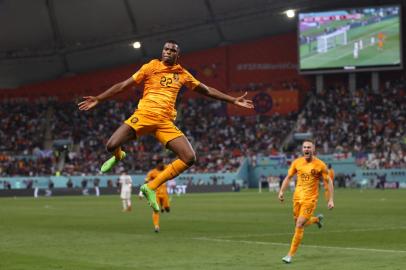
[350, 40]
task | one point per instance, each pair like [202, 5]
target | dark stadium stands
[367, 125]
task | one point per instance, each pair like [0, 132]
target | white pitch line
[286, 244]
[317, 232]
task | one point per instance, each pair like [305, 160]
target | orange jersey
[331, 174]
[161, 87]
[161, 190]
[308, 177]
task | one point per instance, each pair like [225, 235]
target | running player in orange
[381, 38]
[156, 112]
[161, 193]
[309, 170]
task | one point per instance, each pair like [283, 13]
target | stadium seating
[367, 125]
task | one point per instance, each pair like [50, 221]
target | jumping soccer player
[309, 170]
[156, 112]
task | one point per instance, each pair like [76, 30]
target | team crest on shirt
[134, 120]
[313, 172]
[176, 77]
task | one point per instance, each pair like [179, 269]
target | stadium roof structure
[46, 39]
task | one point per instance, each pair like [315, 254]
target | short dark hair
[172, 41]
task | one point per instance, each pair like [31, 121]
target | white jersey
[126, 186]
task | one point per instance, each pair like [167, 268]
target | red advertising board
[271, 61]
[266, 64]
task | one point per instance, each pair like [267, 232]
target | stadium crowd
[365, 124]
[369, 125]
[22, 132]
[220, 141]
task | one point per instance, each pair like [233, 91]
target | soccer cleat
[156, 229]
[151, 197]
[111, 162]
[287, 259]
[320, 223]
[129, 208]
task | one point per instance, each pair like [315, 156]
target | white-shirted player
[126, 184]
[356, 50]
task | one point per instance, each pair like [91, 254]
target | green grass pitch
[342, 55]
[246, 230]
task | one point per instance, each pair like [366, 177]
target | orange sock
[170, 172]
[297, 238]
[155, 218]
[118, 153]
[311, 221]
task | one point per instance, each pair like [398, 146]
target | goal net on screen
[331, 40]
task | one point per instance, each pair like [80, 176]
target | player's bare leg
[124, 201]
[129, 207]
[122, 135]
[297, 238]
[186, 158]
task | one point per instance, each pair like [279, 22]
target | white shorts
[125, 194]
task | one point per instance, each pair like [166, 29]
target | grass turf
[246, 230]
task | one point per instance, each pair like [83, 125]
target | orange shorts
[304, 209]
[163, 129]
[163, 201]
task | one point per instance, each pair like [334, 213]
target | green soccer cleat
[320, 223]
[150, 195]
[111, 162]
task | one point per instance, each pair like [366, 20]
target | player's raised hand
[330, 204]
[243, 102]
[88, 103]
[281, 197]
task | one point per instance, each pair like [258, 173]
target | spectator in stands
[28, 183]
[69, 183]
[50, 188]
[109, 183]
[85, 191]
[96, 184]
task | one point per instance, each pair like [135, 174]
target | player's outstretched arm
[91, 101]
[285, 184]
[216, 94]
